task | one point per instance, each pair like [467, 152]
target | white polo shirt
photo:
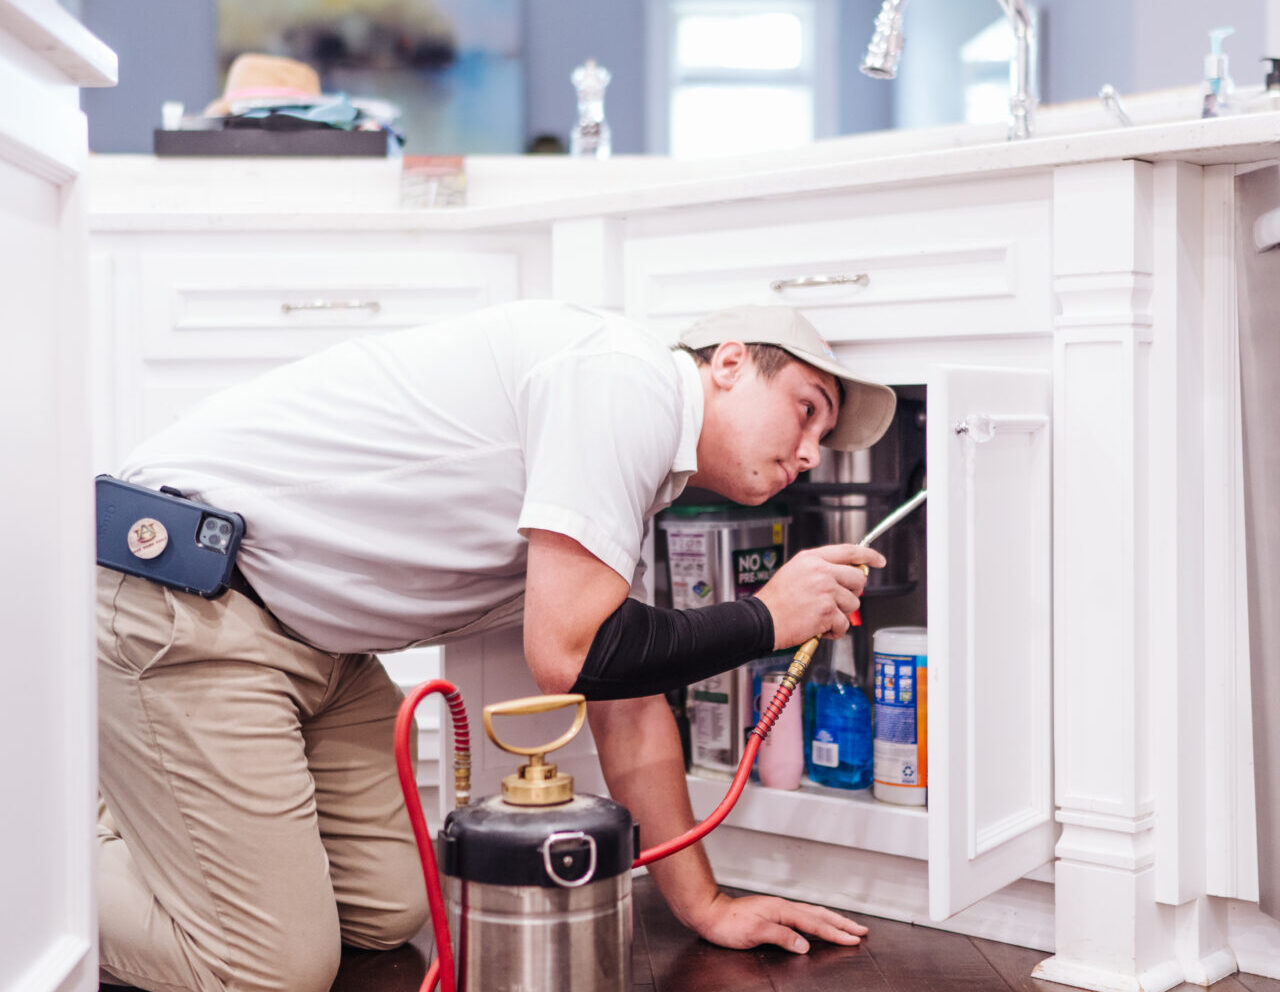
[388, 483]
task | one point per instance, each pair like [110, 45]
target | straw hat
[265, 79]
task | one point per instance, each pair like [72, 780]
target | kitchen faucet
[885, 48]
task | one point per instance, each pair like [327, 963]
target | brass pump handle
[528, 705]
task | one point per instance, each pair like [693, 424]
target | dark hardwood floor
[894, 957]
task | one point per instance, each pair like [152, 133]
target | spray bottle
[1217, 90]
[837, 718]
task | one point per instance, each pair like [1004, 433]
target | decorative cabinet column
[1105, 880]
[1132, 909]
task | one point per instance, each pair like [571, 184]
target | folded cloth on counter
[337, 111]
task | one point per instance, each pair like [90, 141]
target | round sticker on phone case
[147, 538]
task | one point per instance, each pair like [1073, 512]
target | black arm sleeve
[641, 650]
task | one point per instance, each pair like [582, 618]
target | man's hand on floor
[748, 921]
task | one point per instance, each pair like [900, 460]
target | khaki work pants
[253, 818]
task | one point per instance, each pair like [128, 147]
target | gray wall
[1183, 39]
[166, 50]
[865, 104]
[1088, 43]
[559, 35]
[928, 89]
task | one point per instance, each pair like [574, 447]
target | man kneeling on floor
[490, 470]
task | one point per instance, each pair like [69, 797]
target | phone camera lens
[215, 534]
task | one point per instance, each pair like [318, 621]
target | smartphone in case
[165, 537]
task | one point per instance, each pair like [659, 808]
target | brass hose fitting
[786, 685]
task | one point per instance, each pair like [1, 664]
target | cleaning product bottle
[838, 747]
[1217, 89]
[1269, 98]
[901, 749]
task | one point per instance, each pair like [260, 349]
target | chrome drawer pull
[800, 282]
[373, 306]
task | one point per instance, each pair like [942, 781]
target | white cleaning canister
[901, 668]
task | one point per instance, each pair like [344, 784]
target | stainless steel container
[716, 554]
[571, 929]
[843, 514]
[537, 881]
[852, 490]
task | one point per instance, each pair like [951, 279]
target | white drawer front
[284, 305]
[859, 272]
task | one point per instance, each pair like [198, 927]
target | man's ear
[730, 361]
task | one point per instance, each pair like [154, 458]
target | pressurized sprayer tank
[537, 881]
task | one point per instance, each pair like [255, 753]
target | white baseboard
[1255, 939]
[63, 967]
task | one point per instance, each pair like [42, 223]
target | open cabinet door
[990, 634]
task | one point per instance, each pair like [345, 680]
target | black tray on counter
[255, 141]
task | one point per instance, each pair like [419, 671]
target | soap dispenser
[591, 136]
[1217, 89]
[1269, 98]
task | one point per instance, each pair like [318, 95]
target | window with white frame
[733, 76]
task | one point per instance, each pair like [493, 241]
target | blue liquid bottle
[838, 739]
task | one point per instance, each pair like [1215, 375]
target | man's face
[762, 433]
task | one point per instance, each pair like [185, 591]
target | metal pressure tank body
[537, 881]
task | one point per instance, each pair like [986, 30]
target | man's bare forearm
[643, 765]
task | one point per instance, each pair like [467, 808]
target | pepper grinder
[590, 137]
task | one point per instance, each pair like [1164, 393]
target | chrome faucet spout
[1022, 100]
[885, 49]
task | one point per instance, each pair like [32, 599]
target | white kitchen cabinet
[1114, 283]
[990, 620]
[989, 819]
[48, 743]
[899, 282]
[1079, 294]
[185, 307]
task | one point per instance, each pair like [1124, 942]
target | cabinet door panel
[176, 324]
[197, 305]
[990, 796]
[862, 268]
[490, 668]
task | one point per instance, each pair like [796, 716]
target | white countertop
[144, 192]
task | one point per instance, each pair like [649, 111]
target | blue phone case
[166, 538]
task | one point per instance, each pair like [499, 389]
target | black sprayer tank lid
[494, 842]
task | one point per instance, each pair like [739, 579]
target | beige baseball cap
[868, 407]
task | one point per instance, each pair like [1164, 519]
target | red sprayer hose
[795, 672]
[442, 969]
